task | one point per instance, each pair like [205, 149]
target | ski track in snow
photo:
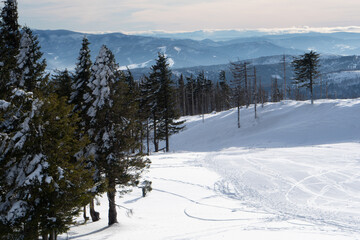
[288, 175]
[306, 210]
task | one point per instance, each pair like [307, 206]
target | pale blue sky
[186, 15]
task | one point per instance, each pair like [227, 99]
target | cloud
[179, 15]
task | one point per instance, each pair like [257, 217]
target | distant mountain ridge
[340, 65]
[61, 49]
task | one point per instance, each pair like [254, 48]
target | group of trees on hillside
[67, 137]
[199, 95]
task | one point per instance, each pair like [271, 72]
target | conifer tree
[30, 66]
[146, 108]
[165, 100]
[150, 90]
[82, 76]
[9, 46]
[62, 83]
[42, 187]
[190, 87]
[182, 95]
[306, 70]
[112, 123]
[225, 91]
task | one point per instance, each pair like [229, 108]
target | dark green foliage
[113, 129]
[306, 70]
[42, 184]
[181, 93]
[165, 111]
[9, 46]
[30, 67]
[47, 185]
[225, 92]
[62, 83]
[276, 93]
[81, 78]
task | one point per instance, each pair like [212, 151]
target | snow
[171, 62]
[135, 65]
[101, 78]
[162, 49]
[339, 77]
[177, 49]
[19, 92]
[293, 173]
[4, 105]
[18, 209]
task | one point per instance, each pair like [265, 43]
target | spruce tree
[112, 125]
[42, 186]
[9, 46]
[225, 91]
[165, 100]
[150, 89]
[190, 88]
[79, 91]
[30, 67]
[146, 108]
[62, 83]
[82, 76]
[306, 70]
[182, 95]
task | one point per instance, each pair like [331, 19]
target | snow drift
[293, 173]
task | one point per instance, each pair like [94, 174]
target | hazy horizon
[185, 16]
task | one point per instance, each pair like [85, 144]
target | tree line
[197, 95]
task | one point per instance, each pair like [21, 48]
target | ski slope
[293, 173]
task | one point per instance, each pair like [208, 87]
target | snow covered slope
[294, 173]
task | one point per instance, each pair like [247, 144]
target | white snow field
[294, 173]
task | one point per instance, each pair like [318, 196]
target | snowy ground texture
[294, 173]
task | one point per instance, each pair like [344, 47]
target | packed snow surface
[293, 173]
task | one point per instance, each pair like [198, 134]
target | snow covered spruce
[63, 141]
[112, 130]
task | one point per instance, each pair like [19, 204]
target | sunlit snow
[293, 173]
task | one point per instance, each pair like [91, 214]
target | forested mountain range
[338, 51]
[340, 73]
[61, 46]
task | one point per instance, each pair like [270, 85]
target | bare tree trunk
[167, 135]
[156, 146]
[320, 86]
[95, 216]
[255, 92]
[84, 215]
[284, 76]
[147, 137]
[192, 99]
[53, 235]
[246, 86]
[238, 108]
[326, 89]
[261, 94]
[312, 92]
[184, 101]
[111, 197]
